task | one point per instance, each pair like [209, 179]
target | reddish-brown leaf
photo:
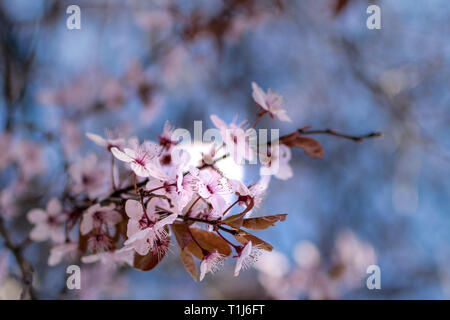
[237, 220]
[182, 235]
[310, 146]
[150, 260]
[209, 241]
[261, 223]
[244, 237]
[189, 263]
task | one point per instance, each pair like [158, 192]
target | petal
[203, 269]
[54, 207]
[238, 267]
[121, 155]
[36, 216]
[40, 232]
[113, 217]
[87, 223]
[132, 227]
[57, 234]
[133, 209]
[97, 139]
[218, 123]
[91, 258]
[259, 96]
[139, 170]
[138, 236]
[166, 221]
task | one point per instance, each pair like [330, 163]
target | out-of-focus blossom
[353, 256]
[49, 223]
[72, 137]
[96, 216]
[112, 94]
[211, 262]
[99, 281]
[89, 177]
[61, 251]
[99, 241]
[108, 142]
[165, 139]
[112, 259]
[270, 102]
[29, 158]
[8, 208]
[145, 228]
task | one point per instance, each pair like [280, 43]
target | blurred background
[135, 64]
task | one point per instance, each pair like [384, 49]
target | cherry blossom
[89, 176]
[145, 228]
[8, 207]
[212, 262]
[28, 155]
[239, 142]
[108, 143]
[177, 187]
[57, 253]
[211, 186]
[111, 258]
[254, 193]
[141, 159]
[49, 223]
[276, 162]
[270, 102]
[165, 139]
[100, 241]
[247, 256]
[96, 216]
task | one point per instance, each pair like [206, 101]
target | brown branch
[341, 135]
[25, 267]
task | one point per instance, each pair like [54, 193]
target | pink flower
[112, 258]
[96, 216]
[211, 262]
[177, 188]
[60, 251]
[211, 186]
[247, 256]
[270, 101]
[28, 156]
[49, 223]
[144, 228]
[8, 207]
[253, 193]
[142, 159]
[238, 141]
[100, 241]
[276, 162]
[89, 177]
[109, 142]
[165, 139]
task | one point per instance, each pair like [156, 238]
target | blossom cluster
[169, 188]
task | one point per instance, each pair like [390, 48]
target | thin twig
[341, 135]
[25, 267]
